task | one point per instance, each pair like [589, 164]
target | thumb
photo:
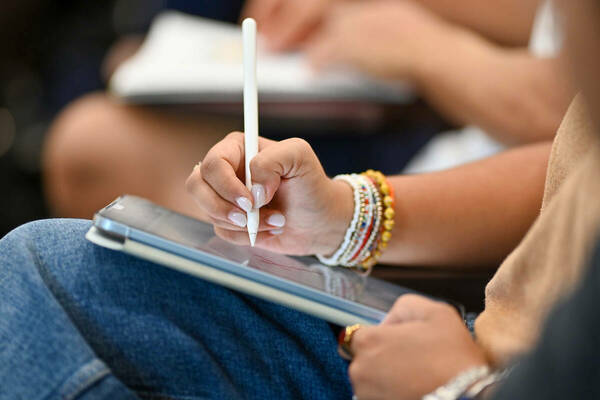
[288, 159]
[410, 308]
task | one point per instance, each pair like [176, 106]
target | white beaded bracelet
[334, 259]
[378, 210]
[350, 257]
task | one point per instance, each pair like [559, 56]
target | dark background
[50, 53]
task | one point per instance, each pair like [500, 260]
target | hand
[421, 345]
[285, 23]
[388, 39]
[302, 211]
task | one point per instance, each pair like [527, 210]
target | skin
[421, 344]
[507, 22]
[451, 54]
[287, 22]
[456, 65]
[406, 357]
[473, 215]
[95, 140]
[468, 78]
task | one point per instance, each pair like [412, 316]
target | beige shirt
[551, 257]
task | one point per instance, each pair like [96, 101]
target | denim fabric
[470, 321]
[81, 322]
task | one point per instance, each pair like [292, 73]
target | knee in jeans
[78, 133]
[38, 236]
[81, 151]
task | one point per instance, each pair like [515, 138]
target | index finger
[293, 24]
[223, 168]
[260, 10]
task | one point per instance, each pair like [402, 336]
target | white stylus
[250, 114]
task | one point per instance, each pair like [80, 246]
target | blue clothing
[82, 322]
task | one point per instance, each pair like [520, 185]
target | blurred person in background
[471, 62]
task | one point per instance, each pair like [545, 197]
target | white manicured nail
[237, 218]
[259, 195]
[244, 203]
[276, 231]
[277, 220]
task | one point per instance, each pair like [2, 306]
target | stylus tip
[252, 238]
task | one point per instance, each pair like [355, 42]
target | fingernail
[277, 220]
[244, 203]
[276, 231]
[259, 195]
[237, 218]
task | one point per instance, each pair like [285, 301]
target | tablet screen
[306, 272]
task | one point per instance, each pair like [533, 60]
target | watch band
[459, 385]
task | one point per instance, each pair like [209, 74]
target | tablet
[339, 295]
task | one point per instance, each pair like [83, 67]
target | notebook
[186, 59]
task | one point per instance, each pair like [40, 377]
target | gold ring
[345, 340]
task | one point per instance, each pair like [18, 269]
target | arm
[504, 21]
[473, 215]
[512, 95]
[286, 23]
[509, 93]
[469, 216]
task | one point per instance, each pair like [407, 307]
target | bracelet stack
[372, 222]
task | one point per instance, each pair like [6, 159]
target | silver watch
[459, 385]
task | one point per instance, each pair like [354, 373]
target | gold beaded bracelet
[387, 195]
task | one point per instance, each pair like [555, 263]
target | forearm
[470, 216]
[515, 97]
[504, 21]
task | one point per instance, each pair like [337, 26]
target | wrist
[369, 231]
[339, 216]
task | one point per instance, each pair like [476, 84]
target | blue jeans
[81, 322]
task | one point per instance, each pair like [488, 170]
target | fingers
[285, 22]
[223, 169]
[261, 10]
[286, 159]
[336, 40]
[360, 337]
[218, 209]
[241, 237]
[219, 170]
[323, 52]
[223, 213]
[330, 45]
[411, 307]
[293, 22]
[216, 184]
